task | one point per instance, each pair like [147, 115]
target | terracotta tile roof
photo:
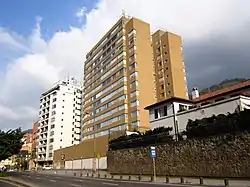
[229, 89]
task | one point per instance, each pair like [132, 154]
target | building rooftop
[172, 99]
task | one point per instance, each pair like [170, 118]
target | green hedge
[203, 128]
[151, 137]
[218, 125]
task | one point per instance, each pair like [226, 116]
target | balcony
[41, 158]
[77, 131]
[77, 125]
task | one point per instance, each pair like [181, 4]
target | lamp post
[81, 163]
[94, 151]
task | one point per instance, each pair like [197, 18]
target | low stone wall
[227, 156]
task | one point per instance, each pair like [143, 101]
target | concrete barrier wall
[86, 163]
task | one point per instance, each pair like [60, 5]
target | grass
[3, 174]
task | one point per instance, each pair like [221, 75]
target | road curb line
[15, 182]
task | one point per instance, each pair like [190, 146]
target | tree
[10, 143]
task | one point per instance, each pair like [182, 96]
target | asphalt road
[43, 180]
[5, 184]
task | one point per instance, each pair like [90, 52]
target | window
[61, 119]
[54, 100]
[52, 126]
[162, 86]
[134, 103]
[53, 119]
[53, 106]
[134, 74]
[156, 114]
[133, 84]
[132, 66]
[134, 93]
[163, 111]
[135, 123]
[62, 112]
[50, 154]
[182, 107]
[52, 133]
[53, 113]
[131, 41]
[135, 113]
[160, 63]
[51, 140]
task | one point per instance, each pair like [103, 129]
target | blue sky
[20, 16]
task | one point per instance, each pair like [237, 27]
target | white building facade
[176, 112]
[59, 119]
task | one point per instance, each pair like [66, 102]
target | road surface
[43, 180]
[6, 184]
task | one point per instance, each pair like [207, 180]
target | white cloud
[11, 40]
[46, 61]
[81, 13]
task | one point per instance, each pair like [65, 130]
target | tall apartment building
[170, 75]
[119, 80]
[59, 119]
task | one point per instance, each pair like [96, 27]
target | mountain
[223, 84]
[28, 131]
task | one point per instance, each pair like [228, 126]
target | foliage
[150, 137]
[21, 163]
[10, 143]
[202, 128]
[3, 174]
[217, 125]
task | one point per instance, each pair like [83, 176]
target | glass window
[156, 114]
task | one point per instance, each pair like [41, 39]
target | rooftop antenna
[123, 13]
[67, 79]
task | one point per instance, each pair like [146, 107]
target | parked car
[47, 167]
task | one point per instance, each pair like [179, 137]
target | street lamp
[81, 163]
[94, 146]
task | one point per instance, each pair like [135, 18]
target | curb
[5, 179]
[14, 182]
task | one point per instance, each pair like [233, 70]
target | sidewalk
[159, 179]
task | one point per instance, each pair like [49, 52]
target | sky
[44, 41]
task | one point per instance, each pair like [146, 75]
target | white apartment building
[175, 112]
[59, 119]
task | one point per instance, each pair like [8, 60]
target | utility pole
[94, 164]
